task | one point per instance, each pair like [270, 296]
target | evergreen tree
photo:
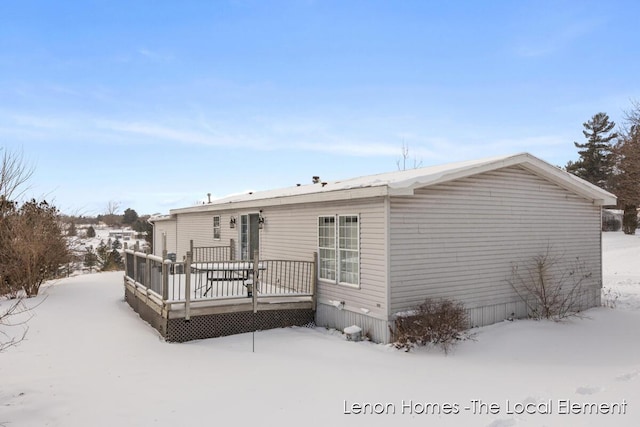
[116, 260]
[91, 232]
[596, 155]
[71, 231]
[90, 259]
[102, 251]
[130, 216]
[116, 244]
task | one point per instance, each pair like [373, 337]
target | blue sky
[155, 104]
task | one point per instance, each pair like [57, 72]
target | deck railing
[190, 280]
[144, 270]
[212, 253]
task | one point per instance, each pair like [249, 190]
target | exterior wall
[373, 328]
[199, 228]
[167, 227]
[291, 232]
[459, 240]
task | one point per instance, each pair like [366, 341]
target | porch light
[232, 222]
[260, 222]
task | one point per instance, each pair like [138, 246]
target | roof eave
[316, 197]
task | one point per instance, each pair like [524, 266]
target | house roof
[405, 182]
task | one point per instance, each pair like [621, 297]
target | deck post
[232, 250]
[191, 247]
[135, 267]
[314, 277]
[254, 284]
[187, 286]
[125, 246]
[149, 280]
[165, 270]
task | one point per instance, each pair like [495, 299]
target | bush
[550, 286]
[440, 322]
[32, 246]
[611, 224]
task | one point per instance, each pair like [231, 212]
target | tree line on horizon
[610, 159]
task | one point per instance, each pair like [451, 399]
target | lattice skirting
[217, 325]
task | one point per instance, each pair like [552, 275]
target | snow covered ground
[90, 361]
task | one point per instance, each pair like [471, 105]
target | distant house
[384, 243]
[122, 234]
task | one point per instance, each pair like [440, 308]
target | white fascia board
[319, 197]
[597, 195]
[562, 178]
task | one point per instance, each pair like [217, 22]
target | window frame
[217, 227]
[338, 238]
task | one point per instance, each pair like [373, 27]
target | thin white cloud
[546, 44]
[304, 135]
[155, 55]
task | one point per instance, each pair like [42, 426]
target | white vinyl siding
[168, 229]
[198, 227]
[459, 239]
[293, 234]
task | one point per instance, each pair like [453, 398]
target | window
[339, 249]
[327, 247]
[216, 227]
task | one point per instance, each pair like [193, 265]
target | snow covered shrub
[609, 298]
[550, 286]
[441, 322]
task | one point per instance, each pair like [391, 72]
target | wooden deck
[177, 298]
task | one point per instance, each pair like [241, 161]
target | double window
[339, 248]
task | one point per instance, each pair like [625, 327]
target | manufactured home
[381, 244]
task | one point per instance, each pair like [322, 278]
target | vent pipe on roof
[209, 197]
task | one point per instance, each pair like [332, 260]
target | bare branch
[402, 162]
[14, 174]
[15, 316]
[550, 286]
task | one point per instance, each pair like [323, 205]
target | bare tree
[111, 216]
[14, 174]
[113, 207]
[402, 162]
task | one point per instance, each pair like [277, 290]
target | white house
[122, 234]
[386, 242]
